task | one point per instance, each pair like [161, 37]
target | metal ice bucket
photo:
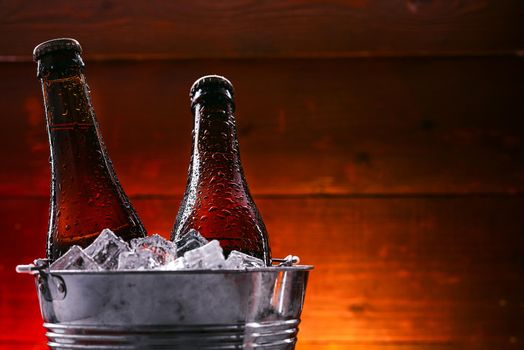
[190, 309]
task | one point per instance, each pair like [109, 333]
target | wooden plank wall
[382, 140]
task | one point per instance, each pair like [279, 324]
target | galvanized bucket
[190, 309]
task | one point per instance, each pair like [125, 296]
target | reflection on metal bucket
[255, 309]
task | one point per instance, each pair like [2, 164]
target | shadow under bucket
[189, 309]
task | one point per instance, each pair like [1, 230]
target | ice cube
[75, 259]
[178, 264]
[191, 240]
[106, 248]
[238, 260]
[208, 256]
[162, 251]
[142, 260]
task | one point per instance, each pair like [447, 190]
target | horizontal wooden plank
[403, 274]
[40, 345]
[34, 345]
[291, 28]
[334, 126]
[393, 346]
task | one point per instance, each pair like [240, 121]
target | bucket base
[266, 335]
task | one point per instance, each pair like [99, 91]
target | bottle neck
[77, 149]
[215, 144]
[66, 94]
[67, 103]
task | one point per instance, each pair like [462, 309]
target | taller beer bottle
[217, 202]
[86, 196]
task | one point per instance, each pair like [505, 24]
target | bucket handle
[289, 260]
[38, 266]
[51, 287]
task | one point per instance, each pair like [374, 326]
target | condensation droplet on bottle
[211, 209]
[67, 227]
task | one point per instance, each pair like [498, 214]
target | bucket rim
[185, 272]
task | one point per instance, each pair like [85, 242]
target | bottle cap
[56, 45]
[211, 82]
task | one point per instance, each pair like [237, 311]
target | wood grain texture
[334, 126]
[240, 28]
[396, 274]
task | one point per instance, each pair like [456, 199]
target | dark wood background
[382, 140]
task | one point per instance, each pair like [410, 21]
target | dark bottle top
[217, 202]
[86, 196]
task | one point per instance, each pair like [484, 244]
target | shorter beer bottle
[217, 202]
[86, 196]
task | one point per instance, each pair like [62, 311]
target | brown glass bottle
[86, 196]
[217, 202]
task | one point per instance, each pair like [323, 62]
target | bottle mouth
[210, 82]
[211, 85]
[56, 45]
[202, 95]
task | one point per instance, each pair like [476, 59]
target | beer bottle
[217, 202]
[86, 196]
